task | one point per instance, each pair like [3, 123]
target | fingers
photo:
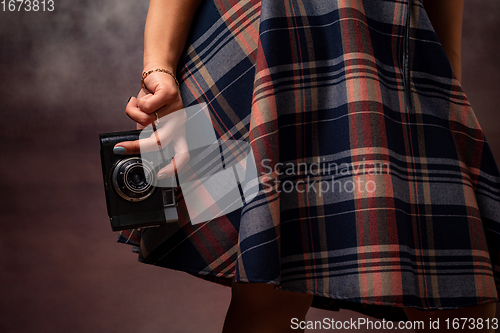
[171, 127]
[181, 156]
[153, 143]
[156, 141]
[163, 95]
[136, 114]
[177, 163]
[143, 119]
[127, 148]
[145, 110]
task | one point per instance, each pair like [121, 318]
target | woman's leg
[258, 308]
[484, 311]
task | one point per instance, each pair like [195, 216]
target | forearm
[446, 18]
[167, 28]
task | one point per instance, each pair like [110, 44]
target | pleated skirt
[377, 188]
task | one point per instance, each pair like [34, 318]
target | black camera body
[135, 198]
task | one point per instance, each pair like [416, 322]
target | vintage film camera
[135, 197]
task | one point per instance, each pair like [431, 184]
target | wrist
[158, 70]
[154, 65]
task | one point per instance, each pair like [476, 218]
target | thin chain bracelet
[145, 74]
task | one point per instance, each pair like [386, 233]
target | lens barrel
[133, 179]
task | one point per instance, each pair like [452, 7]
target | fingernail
[162, 176]
[129, 99]
[119, 150]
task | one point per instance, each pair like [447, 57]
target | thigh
[264, 296]
[258, 307]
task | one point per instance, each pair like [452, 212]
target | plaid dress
[379, 189]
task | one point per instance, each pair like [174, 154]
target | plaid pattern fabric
[377, 187]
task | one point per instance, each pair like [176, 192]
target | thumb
[137, 146]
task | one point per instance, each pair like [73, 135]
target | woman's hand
[166, 31]
[159, 94]
[159, 97]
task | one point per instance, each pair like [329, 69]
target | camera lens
[134, 179]
[137, 178]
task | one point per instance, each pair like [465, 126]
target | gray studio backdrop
[66, 76]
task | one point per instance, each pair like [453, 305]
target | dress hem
[380, 310]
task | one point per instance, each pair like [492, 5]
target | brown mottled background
[65, 76]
